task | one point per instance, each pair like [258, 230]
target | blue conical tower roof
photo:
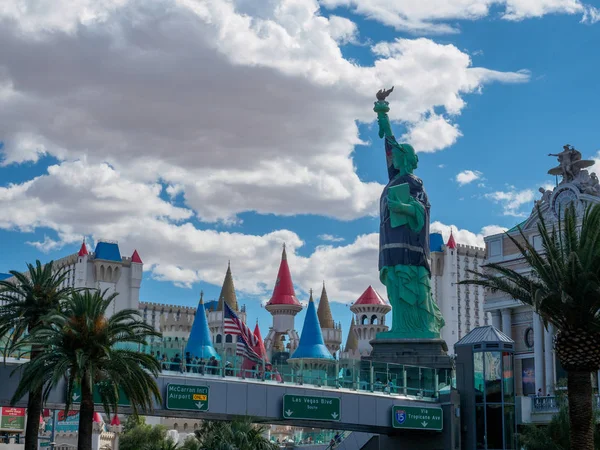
[199, 344]
[311, 341]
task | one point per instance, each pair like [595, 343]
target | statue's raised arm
[382, 108]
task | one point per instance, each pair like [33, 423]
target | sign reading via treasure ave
[183, 396]
[416, 418]
[314, 408]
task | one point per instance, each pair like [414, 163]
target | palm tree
[92, 349]
[24, 302]
[563, 287]
[240, 434]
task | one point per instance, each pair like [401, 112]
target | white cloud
[76, 199]
[439, 16]
[512, 201]
[466, 237]
[432, 133]
[467, 176]
[342, 30]
[330, 238]
[591, 15]
[237, 110]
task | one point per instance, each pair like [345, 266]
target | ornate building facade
[535, 364]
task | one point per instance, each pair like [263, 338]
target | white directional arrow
[334, 415]
[199, 405]
[75, 397]
[289, 412]
[424, 424]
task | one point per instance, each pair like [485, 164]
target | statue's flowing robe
[402, 245]
[404, 262]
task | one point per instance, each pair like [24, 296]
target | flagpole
[223, 337]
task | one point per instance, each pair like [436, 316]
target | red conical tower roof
[451, 242]
[370, 297]
[283, 293]
[260, 347]
[115, 421]
[135, 258]
[83, 250]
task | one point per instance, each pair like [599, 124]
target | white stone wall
[462, 306]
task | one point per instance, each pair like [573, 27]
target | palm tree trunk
[86, 416]
[34, 410]
[579, 386]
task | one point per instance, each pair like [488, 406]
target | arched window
[364, 320]
[374, 319]
[228, 338]
[176, 426]
[185, 426]
[219, 339]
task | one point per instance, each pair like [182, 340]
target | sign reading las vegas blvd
[417, 418]
[313, 408]
[190, 398]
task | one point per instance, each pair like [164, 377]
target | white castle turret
[283, 306]
[370, 310]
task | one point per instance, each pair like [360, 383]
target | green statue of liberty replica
[404, 240]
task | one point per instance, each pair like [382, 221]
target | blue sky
[213, 131]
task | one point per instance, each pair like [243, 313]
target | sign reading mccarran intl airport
[186, 397]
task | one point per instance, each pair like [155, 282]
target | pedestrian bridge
[198, 396]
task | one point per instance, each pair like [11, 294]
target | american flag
[246, 340]
[243, 349]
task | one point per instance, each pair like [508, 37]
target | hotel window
[495, 248]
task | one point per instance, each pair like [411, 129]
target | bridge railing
[385, 378]
[356, 375]
[551, 404]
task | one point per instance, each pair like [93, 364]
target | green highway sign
[44, 444]
[417, 418]
[313, 408]
[76, 397]
[190, 398]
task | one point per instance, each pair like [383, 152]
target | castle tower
[448, 293]
[311, 353]
[136, 273]
[108, 267]
[351, 348]
[260, 347]
[332, 332]
[225, 344]
[81, 266]
[283, 306]
[200, 343]
[370, 310]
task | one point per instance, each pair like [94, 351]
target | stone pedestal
[432, 353]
